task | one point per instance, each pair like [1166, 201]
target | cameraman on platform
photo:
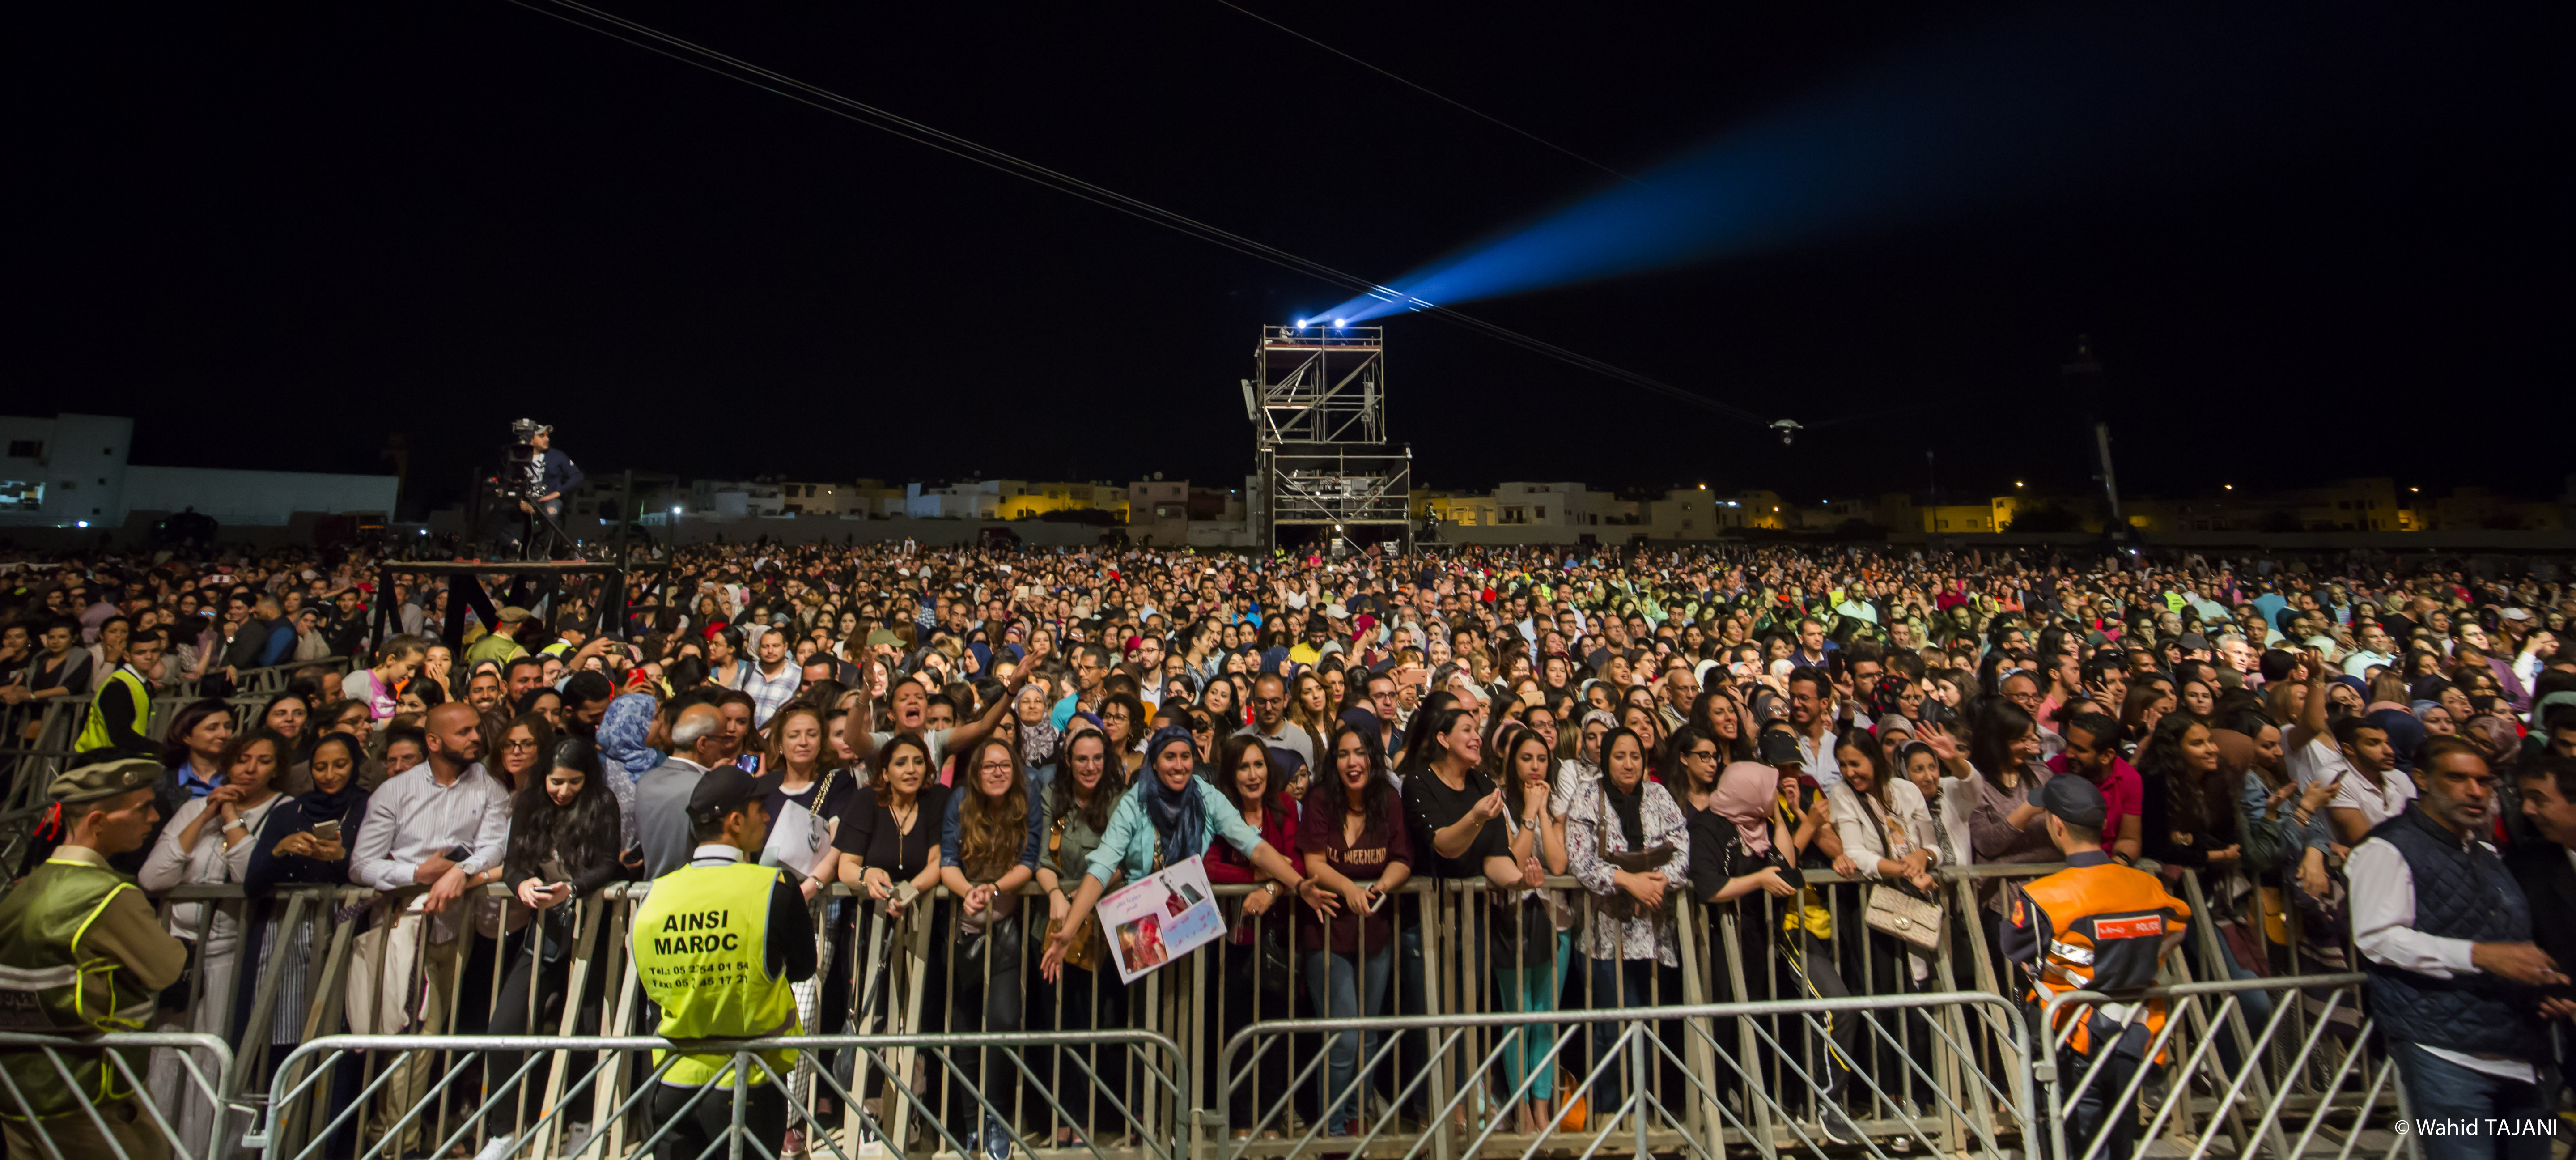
[555, 476]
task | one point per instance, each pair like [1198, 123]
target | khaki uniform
[80, 952]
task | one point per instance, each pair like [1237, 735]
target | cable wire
[1434, 95]
[743, 72]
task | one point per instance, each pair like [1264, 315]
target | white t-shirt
[2317, 762]
[2321, 761]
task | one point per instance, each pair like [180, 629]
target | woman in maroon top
[1255, 956]
[1353, 840]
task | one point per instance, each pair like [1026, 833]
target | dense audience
[1031, 729]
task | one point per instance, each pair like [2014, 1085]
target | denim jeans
[2438, 1089]
[1345, 987]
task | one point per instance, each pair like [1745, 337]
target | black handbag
[1264, 961]
[1619, 904]
[1523, 934]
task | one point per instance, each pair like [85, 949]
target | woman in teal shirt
[1166, 818]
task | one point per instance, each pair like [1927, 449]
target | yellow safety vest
[700, 942]
[93, 735]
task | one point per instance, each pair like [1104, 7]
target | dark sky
[277, 234]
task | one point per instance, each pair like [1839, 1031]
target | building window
[1542, 513]
[16, 494]
[1515, 515]
[26, 449]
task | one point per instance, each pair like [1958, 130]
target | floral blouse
[1589, 827]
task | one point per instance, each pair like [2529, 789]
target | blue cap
[2074, 801]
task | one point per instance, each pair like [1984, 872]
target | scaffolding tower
[1317, 401]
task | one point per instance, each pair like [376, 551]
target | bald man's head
[700, 730]
[455, 733]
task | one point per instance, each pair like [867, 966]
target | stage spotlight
[1339, 322]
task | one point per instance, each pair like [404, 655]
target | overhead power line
[1427, 91]
[652, 40]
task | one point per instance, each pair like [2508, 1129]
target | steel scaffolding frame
[1317, 402]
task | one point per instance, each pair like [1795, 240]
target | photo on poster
[1161, 917]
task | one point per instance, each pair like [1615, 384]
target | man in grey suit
[662, 794]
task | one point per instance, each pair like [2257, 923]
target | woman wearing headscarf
[1038, 734]
[1169, 816]
[1738, 848]
[1630, 846]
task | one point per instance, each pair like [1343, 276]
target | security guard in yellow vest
[716, 943]
[123, 703]
[81, 952]
[2095, 926]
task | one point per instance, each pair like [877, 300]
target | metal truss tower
[1317, 402]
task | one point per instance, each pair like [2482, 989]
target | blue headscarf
[622, 729]
[1178, 820]
[2405, 735]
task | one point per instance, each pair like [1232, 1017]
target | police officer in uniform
[81, 952]
[2098, 926]
[716, 944]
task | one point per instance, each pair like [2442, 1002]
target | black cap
[2192, 642]
[2074, 801]
[1780, 747]
[721, 791]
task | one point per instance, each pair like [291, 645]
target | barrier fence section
[39, 1062]
[584, 1096]
[40, 739]
[2247, 1093]
[1470, 1021]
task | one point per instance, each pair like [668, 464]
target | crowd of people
[1030, 730]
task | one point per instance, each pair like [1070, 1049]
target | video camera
[523, 466]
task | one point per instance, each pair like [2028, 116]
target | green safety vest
[94, 734]
[700, 942]
[50, 985]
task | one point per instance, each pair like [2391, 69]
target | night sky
[277, 234]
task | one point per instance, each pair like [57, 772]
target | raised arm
[2312, 715]
[965, 736]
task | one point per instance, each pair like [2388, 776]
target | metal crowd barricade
[1784, 1023]
[304, 1120]
[2324, 1076]
[1701, 1116]
[83, 1133]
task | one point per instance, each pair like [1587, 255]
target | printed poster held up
[1160, 917]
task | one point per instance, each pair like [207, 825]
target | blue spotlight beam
[652, 40]
[2057, 100]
